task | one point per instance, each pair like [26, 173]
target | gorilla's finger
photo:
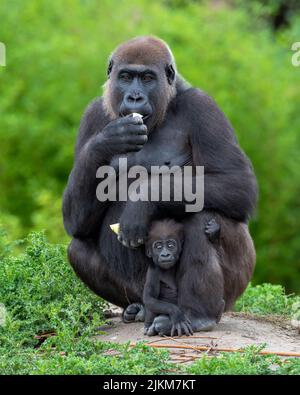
[133, 244]
[125, 243]
[178, 327]
[137, 130]
[140, 139]
[129, 119]
[173, 330]
[185, 329]
[133, 147]
[190, 328]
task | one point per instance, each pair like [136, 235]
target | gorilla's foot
[150, 331]
[161, 326]
[133, 313]
[203, 324]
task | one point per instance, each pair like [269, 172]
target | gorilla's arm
[151, 297]
[98, 141]
[81, 209]
[229, 182]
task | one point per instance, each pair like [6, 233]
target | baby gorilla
[164, 245]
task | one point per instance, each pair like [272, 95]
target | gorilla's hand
[124, 135]
[134, 223]
[181, 325]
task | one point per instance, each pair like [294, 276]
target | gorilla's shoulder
[95, 107]
[195, 98]
[201, 111]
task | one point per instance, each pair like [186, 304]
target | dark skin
[181, 126]
[212, 230]
[161, 290]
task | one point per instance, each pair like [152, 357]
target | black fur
[193, 131]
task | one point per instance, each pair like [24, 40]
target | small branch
[182, 337]
[218, 349]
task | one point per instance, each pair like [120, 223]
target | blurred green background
[237, 51]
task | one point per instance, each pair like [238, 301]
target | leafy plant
[266, 299]
[250, 362]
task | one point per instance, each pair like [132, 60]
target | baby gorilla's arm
[155, 306]
[212, 230]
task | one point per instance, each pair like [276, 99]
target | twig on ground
[219, 349]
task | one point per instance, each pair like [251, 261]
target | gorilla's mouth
[166, 264]
[145, 116]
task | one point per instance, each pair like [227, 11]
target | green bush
[250, 362]
[267, 299]
[39, 293]
[56, 60]
[42, 294]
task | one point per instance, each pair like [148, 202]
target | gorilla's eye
[171, 244]
[126, 77]
[158, 245]
[148, 77]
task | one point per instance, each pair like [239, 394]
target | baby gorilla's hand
[212, 230]
[181, 326]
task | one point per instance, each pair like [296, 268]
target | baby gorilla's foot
[162, 325]
[133, 313]
[150, 330]
[203, 324]
[212, 230]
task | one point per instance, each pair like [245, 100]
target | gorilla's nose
[165, 255]
[135, 101]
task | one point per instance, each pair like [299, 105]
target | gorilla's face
[139, 88]
[165, 252]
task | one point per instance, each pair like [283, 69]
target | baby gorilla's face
[165, 252]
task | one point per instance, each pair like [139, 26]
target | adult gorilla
[182, 126]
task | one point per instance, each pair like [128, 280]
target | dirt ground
[235, 331]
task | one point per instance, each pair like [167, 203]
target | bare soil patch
[235, 331]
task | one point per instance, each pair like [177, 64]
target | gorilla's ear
[109, 68]
[148, 251]
[170, 73]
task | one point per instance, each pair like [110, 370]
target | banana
[115, 228]
[136, 114]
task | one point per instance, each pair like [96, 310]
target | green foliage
[267, 299]
[56, 61]
[85, 357]
[250, 362]
[39, 294]
[296, 311]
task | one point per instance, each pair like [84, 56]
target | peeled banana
[115, 228]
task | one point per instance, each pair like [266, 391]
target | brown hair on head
[143, 50]
[149, 51]
[167, 228]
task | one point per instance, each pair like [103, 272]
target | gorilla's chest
[168, 289]
[168, 146]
